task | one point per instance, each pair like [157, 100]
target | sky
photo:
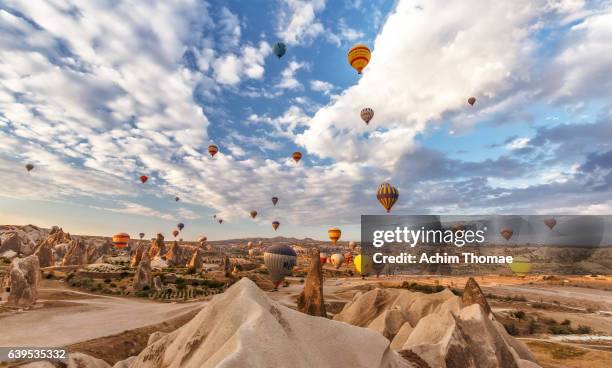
[95, 94]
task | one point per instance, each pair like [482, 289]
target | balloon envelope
[337, 259]
[175, 233]
[180, 226]
[141, 235]
[274, 200]
[144, 178]
[367, 114]
[472, 101]
[275, 224]
[29, 167]
[352, 245]
[334, 234]
[362, 264]
[121, 240]
[520, 265]
[506, 233]
[323, 257]
[279, 49]
[359, 57]
[253, 214]
[213, 149]
[550, 222]
[387, 195]
[177, 199]
[297, 156]
[279, 260]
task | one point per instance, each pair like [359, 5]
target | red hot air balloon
[550, 222]
[274, 200]
[275, 225]
[297, 156]
[506, 233]
[143, 178]
[212, 149]
[175, 233]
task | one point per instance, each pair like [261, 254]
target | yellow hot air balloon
[521, 266]
[362, 264]
[387, 195]
[121, 240]
[334, 234]
[359, 56]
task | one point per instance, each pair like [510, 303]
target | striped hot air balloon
[279, 260]
[506, 233]
[359, 56]
[121, 240]
[213, 149]
[334, 234]
[367, 114]
[387, 195]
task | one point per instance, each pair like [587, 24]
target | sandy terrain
[91, 317]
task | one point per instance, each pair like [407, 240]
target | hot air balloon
[359, 56]
[279, 260]
[214, 216]
[352, 245]
[175, 233]
[472, 101]
[275, 225]
[348, 257]
[387, 195]
[250, 245]
[141, 235]
[260, 243]
[121, 240]
[378, 268]
[212, 149]
[180, 226]
[550, 222]
[334, 234]
[297, 156]
[506, 233]
[521, 266]
[253, 214]
[323, 257]
[279, 49]
[362, 264]
[253, 252]
[176, 199]
[144, 178]
[274, 200]
[29, 167]
[220, 221]
[202, 239]
[367, 114]
[337, 259]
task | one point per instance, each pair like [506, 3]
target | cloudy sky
[97, 93]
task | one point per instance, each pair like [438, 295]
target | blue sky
[95, 95]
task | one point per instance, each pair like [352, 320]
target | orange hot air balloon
[297, 156]
[274, 200]
[334, 234]
[506, 233]
[275, 225]
[212, 149]
[550, 222]
[253, 214]
[175, 233]
[121, 240]
[323, 257]
[387, 195]
[367, 114]
[359, 57]
[472, 101]
[144, 178]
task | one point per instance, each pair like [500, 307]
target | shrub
[519, 315]
[107, 281]
[584, 330]
[566, 322]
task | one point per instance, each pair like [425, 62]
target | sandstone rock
[472, 294]
[311, 300]
[20, 239]
[137, 253]
[76, 253]
[24, 275]
[142, 277]
[155, 336]
[158, 247]
[196, 262]
[60, 251]
[231, 330]
[226, 266]
[176, 255]
[97, 250]
[75, 360]
[12, 242]
[126, 363]
[157, 283]
[46, 249]
[45, 255]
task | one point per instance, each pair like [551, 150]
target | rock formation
[143, 277]
[46, 249]
[158, 247]
[157, 283]
[176, 255]
[24, 276]
[20, 240]
[232, 329]
[45, 255]
[311, 300]
[226, 266]
[137, 253]
[472, 294]
[76, 253]
[196, 262]
[75, 360]
[442, 329]
[97, 250]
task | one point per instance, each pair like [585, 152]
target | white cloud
[230, 29]
[298, 23]
[288, 80]
[321, 86]
[230, 69]
[518, 143]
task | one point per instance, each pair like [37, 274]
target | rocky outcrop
[177, 255]
[472, 294]
[158, 247]
[24, 276]
[75, 360]
[196, 261]
[76, 254]
[234, 326]
[442, 329]
[20, 240]
[97, 250]
[310, 301]
[45, 255]
[157, 283]
[226, 266]
[137, 253]
[46, 249]
[142, 277]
